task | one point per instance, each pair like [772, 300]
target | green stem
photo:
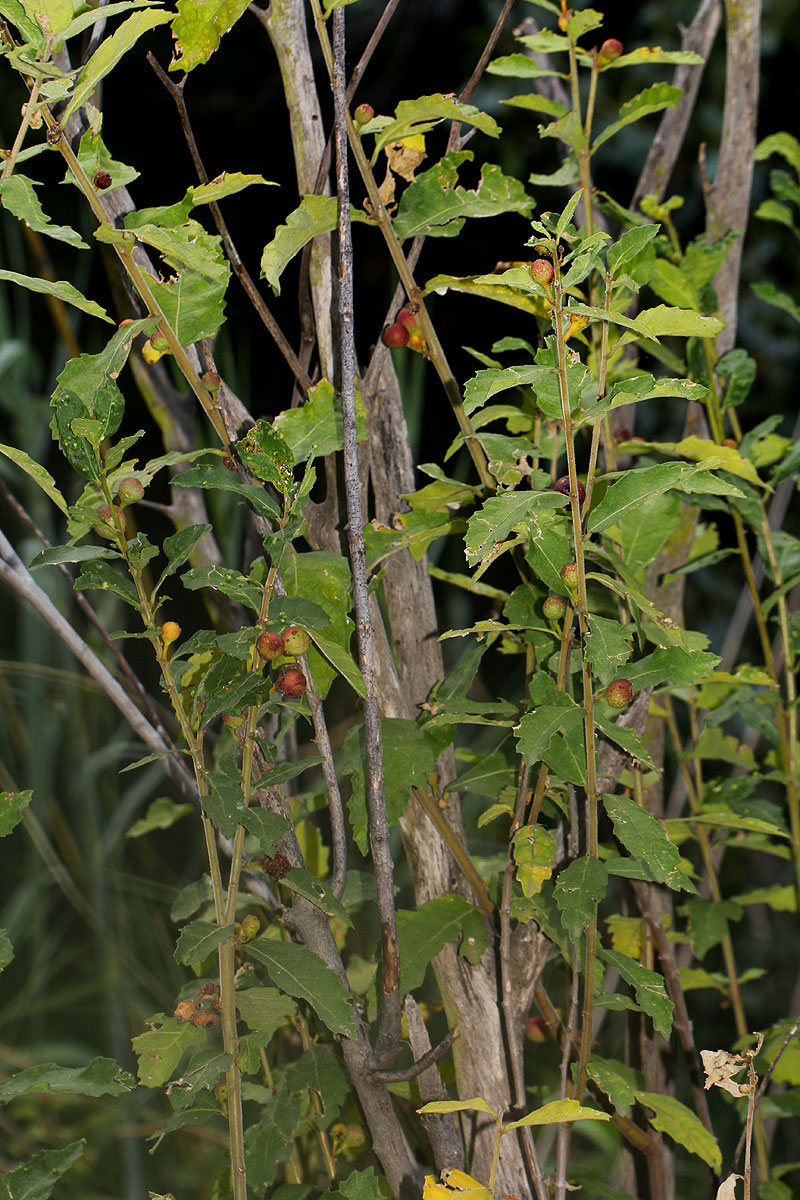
[11, 158]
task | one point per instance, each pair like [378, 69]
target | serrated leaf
[100, 1077]
[608, 647]
[620, 1083]
[99, 576]
[160, 1050]
[200, 939]
[269, 1141]
[538, 727]
[108, 54]
[316, 215]
[199, 27]
[60, 290]
[231, 583]
[214, 475]
[19, 197]
[299, 972]
[267, 455]
[434, 205]
[192, 303]
[314, 429]
[630, 245]
[161, 814]
[557, 1112]
[535, 853]
[298, 880]
[264, 1009]
[651, 996]
[579, 890]
[681, 1124]
[708, 923]
[664, 321]
[652, 100]
[644, 837]
[421, 934]
[269, 829]
[35, 1179]
[625, 493]
[496, 518]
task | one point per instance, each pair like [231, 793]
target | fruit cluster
[405, 331]
[294, 641]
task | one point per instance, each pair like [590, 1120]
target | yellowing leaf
[558, 1111]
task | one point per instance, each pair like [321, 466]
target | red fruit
[623, 434]
[554, 608]
[407, 317]
[270, 646]
[395, 336]
[292, 682]
[610, 49]
[569, 575]
[130, 490]
[296, 640]
[562, 485]
[228, 463]
[619, 694]
[102, 180]
[542, 271]
[536, 1029]
[210, 381]
[363, 114]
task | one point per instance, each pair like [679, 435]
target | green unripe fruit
[130, 490]
[251, 927]
[569, 575]
[610, 49]
[363, 115]
[296, 640]
[554, 608]
[210, 381]
[619, 693]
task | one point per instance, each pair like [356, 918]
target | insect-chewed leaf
[199, 27]
[267, 454]
[100, 1077]
[39, 1175]
[644, 837]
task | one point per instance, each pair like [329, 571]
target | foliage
[536, 778]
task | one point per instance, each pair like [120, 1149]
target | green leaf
[538, 727]
[608, 647]
[214, 475]
[298, 880]
[267, 455]
[409, 755]
[199, 939]
[663, 321]
[514, 287]
[6, 950]
[672, 665]
[100, 1077]
[708, 922]
[229, 183]
[35, 1179]
[299, 972]
[535, 852]
[341, 661]
[231, 583]
[315, 216]
[644, 837]
[270, 1141]
[193, 304]
[225, 805]
[264, 1009]
[655, 56]
[652, 100]
[19, 197]
[319, 1070]
[161, 814]
[518, 66]
[15, 12]
[55, 555]
[269, 829]
[579, 890]
[557, 1112]
[765, 291]
[12, 809]
[160, 1049]
[108, 54]
[785, 144]
[314, 429]
[38, 473]
[419, 116]
[325, 577]
[492, 523]
[451, 1106]
[620, 1083]
[99, 576]
[651, 996]
[681, 1124]
[634, 486]
[421, 934]
[60, 290]
[434, 205]
[179, 548]
[628, 247]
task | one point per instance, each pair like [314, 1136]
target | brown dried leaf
[727, 1189]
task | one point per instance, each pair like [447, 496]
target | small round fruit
[296, 640]
[292, 682]
[395, 336]
[542, 271]
[251, 926]
[186, 1009]
[562, 485]
[610, 50]
[619, 693]
[210, 381]
[729, 442]
[170, 632]
[130, 490]
[554, 608]
[270, 645]
[363, 115]
[623, 434]
[536, 1029]
[102, 180]
[105, 527]
[569, 575]
[407, 316]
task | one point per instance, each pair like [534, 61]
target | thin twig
[240, 270]
[388, 1042]
[422, 1064]
[765, 1083]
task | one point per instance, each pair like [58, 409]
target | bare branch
[445, 1136]
[424, 1063]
